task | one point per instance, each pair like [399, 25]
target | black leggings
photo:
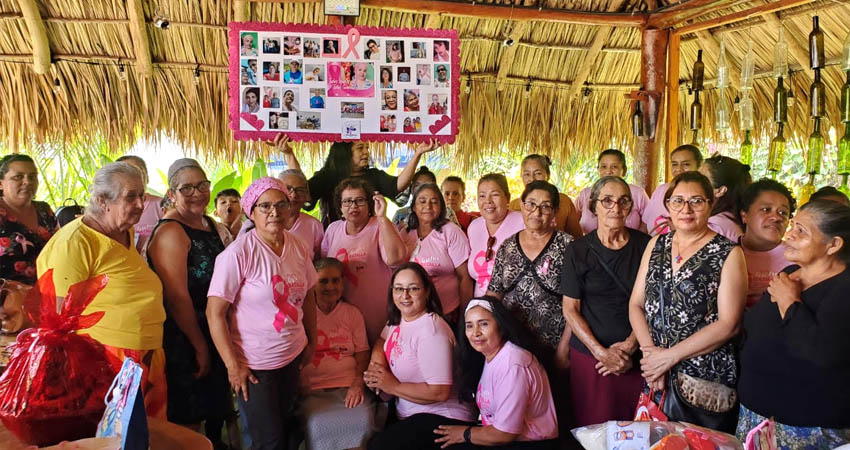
[413, 433]
[550, 444]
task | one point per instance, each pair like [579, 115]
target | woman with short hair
[729, 178]
[682, 159]
[152, 213]
[536, 167]
[612, 162]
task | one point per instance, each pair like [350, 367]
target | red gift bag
[54, 385]
[647, 410]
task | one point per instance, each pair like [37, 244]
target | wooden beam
[139, 36]
[783, 15]
[433, 21]
[666, 20]
[761, 10]
[506, 60]
[241, 11]
[672, 96]
[38, 36]
[712, 45]
[493, 11]
[589, 63]
[652, 78]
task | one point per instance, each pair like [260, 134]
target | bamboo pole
[139, 36]
[506, 60]
[38, 36]
[672, 96]
[602, 35]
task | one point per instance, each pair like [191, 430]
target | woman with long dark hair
[730, 179]
[496, 369]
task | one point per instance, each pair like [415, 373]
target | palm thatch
[534, 110]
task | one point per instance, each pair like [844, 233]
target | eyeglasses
[697, 204]
[298, 190]
[545, 208]
[441, 69]
[188, 189]
[266, 208]
[609, 202]
[351, 202]
[411, 290]
[491, 241]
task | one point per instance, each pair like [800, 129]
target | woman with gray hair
[596, 283]
[101, 243]
[152, 212]
[182, 251]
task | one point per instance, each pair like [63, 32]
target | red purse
[647, 410]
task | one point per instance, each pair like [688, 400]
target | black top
[20, 245]
[604, 305]
[797, 369]
[323, 183]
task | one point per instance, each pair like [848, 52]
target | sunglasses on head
[491, 241]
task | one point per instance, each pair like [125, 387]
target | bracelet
[467, 435]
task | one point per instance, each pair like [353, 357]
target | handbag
[694, 400]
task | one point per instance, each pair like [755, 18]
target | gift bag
[647, 410]
[762, 437]
[125, 409]
[53, 387]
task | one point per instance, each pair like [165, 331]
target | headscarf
[256, 189]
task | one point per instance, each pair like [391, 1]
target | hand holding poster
[333, 83]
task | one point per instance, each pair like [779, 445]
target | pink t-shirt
[480, 269]
[421, 351]
[267, 292]
[514, 396]
[310, 231]
[655, 212]
[339, 335]
[761, 268]
[366, 274]
[724, 225]
[633, 220]
[440, 253]
[150, 217]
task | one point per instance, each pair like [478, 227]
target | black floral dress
[690, 304]
[20, 246]
[193, 400]
[531, 288]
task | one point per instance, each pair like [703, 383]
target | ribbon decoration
[482, 269]
[281, 300]
[392, 342]
[323, 348]
[342, 255]
[353, 39]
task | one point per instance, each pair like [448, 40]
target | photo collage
[317, 83]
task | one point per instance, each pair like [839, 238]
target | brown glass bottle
[845, 100]
[699, 73]
[817, 96]
[637, 120]
[696, 112]
[780, 102]
[816, 55]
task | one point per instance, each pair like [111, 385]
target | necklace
[678, 258]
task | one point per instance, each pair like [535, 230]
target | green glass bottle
[777, 150]
[780, 102]
[807, 190]
[747, 149]
[696, 112]
[845, 100]
[699, 72]
[817, 97]
[815, 152]
[844, 152]
[816, 54]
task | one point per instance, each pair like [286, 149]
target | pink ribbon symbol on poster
[336, 83]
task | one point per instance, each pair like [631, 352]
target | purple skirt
[598, 399]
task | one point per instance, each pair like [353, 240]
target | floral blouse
[20, 246]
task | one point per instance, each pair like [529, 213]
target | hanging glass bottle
[746, 117]
[815, 151]
[845, 100]
[780, 102]
[722, 67]
[721, 120]
[777, 150]
[817, 96]
[699, 73]
[696, 112]
[746, 156]
[845, 54]
[637, 120]
[780, 55]
[807, 190]
[816, 54]
[748, 69]
[844, 151]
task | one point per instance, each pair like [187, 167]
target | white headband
[476, 302]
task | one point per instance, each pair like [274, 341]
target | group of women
[564, 312]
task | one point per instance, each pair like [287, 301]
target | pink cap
[256, 189]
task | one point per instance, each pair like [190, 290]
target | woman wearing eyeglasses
[182, 251]
[687, 304]
[486, 233]
[596, 282]
[367, 243]
[612, 162]
[262, 314]
[413, 360]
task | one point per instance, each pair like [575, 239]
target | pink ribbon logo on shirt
[21, 239]
[481, 268]
[281, 300]
[545, 269]
[323, 348]
[347, 273]
[392, 345]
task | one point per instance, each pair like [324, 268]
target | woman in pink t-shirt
[612, 162]
[729, 178]
[486, 233]
[335, 410]
[766, 207]
[440, 247]
[413, 361]
[656, 217]
[367, 243]
[262, 314]
[507, 382]
[152, 212]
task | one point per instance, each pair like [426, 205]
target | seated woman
[101, 243]
[766, 207]
[506, 381]
[413, 361]
[795, 361]
[336, 411]
[729, 178]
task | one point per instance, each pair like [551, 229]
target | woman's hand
[658, 384]
[239, 378]
[612, 360]
[656, 362]
[202, 358]
[381, 378]
[354, 396]
[785, 290]
[281, 141]
[450, 435]
[425, 147]
[307, 356]
[380, 205]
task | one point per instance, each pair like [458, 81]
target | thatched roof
[90, 42]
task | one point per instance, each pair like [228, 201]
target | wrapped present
[54, 385]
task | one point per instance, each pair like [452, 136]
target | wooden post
[653, 59]
[139, 37]
[38, 36]
[672, 96]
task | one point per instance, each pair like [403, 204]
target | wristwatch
[467, 435]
